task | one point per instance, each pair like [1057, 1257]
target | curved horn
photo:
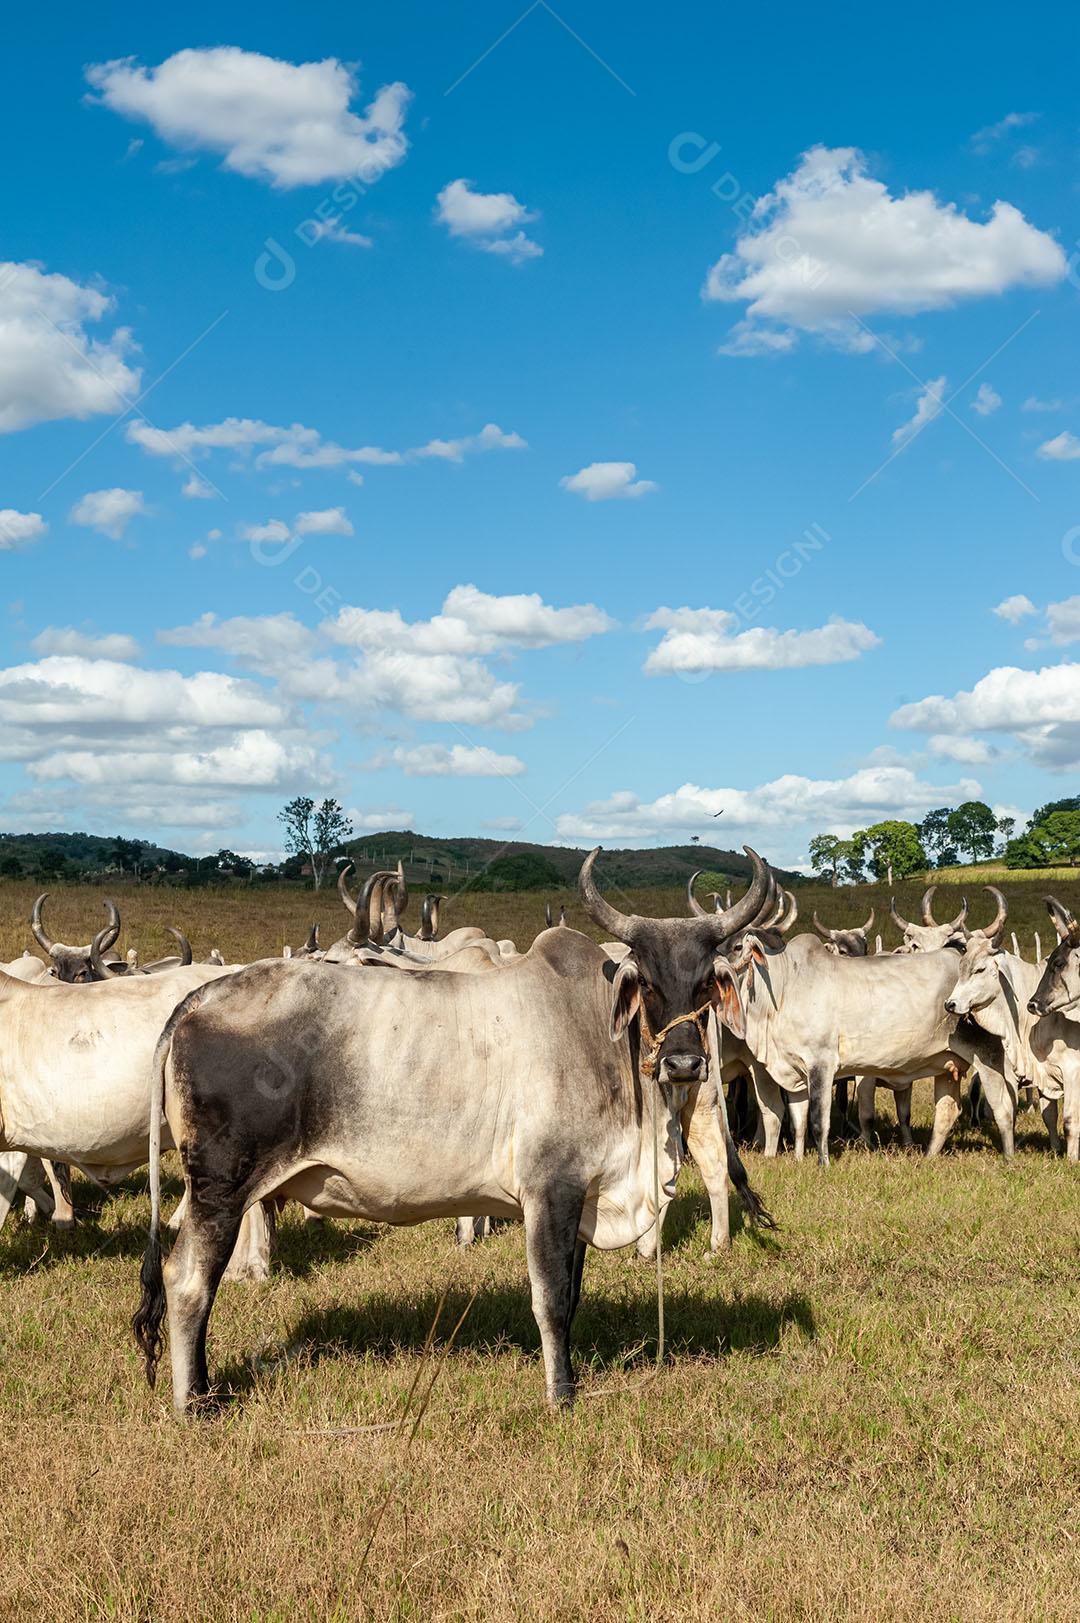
[185, 944]
[1002, 914]
[960, 917]
[787, 923]
[548, 920]
[1064, 923]
[343, 889]
[869, 925]
[114, 925]
[619, 926]
[369, 913]
[312, 942]
[927, 908]
[389, 891]
[823, 929]
[425, 919]
[695, 906]
[748, 906]
[98, 968]
[901, 923]
[36, 925]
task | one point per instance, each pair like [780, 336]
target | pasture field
[872, 1413]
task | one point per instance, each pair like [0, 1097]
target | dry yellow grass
[872, 1414]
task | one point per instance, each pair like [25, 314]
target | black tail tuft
[753, 1205]
[146, 1325]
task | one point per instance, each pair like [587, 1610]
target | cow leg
[821, 1091]
[946, 1110]
[193, 1273]
[552, 1219]
[799, 1111]
[12, 1167]
[1002, 1104]
[902, 1096]
[865, 1093]
[32, 1183]
[770, 1103]
[250, 1261]
[59, 1176]
[704, 1134]
[1070, 1115]
[468, 1229]
[178, 1216]
[1050, 1117]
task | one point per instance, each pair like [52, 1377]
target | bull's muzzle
[683, 1068]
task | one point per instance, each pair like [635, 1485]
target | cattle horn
[749, 906]
[547, 915]
[312, 942]
[961, 916]
[695, 906]
[1002, 914]
[369, 914]
[869, 925]
[927, 909]
[787, 923]
[114, 925]
[901, 923]
[343, 888]
[823, 929]
[184, 943]
[619, 926]
[1064, 923]
[36, 925]
[98, 967]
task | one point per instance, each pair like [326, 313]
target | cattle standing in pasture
[75, 1076]
[996, 989]
[550, 1092]
[812, 1017]
[1057, 998]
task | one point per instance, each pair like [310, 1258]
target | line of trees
[895, 848]
[1051, 839]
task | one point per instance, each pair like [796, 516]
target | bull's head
[675, 971]
[929, 936]
[72, 964]
[1059, 987]
[980, 980]
[854, 943]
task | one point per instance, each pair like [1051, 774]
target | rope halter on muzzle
[651, 1042]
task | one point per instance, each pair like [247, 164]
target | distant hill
[458, 860]
[483, 864]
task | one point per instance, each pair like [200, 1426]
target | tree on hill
[525, 870]
[973, 828]
[829, 856]
[1041, 813]
[892, 849]
[1053, 843]
[937, 838]
[315, 831]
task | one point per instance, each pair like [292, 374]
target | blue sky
[566, 423]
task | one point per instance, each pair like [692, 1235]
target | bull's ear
[729, 1007]
[626, 998]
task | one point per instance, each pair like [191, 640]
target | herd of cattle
[562, 1085]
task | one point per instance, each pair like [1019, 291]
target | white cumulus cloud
[455, 761]
[108, 511]
[986, 401]
[51, 365]
[18, 530]
[1015, 608]
[927, 407]
[326, 521]
[699, 640]
[489, 220]
[67, 640]
[830, 243]
[287, 123]
[608, 481]
[1064, 447]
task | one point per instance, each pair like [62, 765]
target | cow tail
[752, 1202]
[150, 1314]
